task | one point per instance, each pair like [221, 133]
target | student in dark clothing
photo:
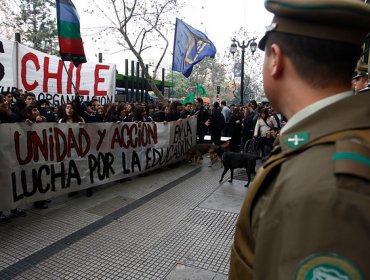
[173, 114]
[18, 106]
[46, 111]
[88, 113]
[140, 115]
[217, 123]
[6, 114]
[248, 125]
[202, 119]
[160, 115]
[6, 117]
[270, 139]
[186, 111]
[235, 125]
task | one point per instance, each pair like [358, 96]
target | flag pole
[172, 86]
[70, 78]
[173, 55]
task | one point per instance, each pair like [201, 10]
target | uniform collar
[313, 108]
[341, 114]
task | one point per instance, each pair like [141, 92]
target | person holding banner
[6, 117]
[19, 104]
[140, 115]
[46, 111]
[186, 112]
[173, 114]
[202, 119]
[31, 115]
[8, 96]
[70, 115]
[130, 112]
[88, 113]
[30, 99]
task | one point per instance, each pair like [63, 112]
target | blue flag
[190, 47]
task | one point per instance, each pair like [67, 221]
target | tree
[139, 26]
[181, 85]
[210, 73]
[253, 86]
[37, 26]
[7, 18]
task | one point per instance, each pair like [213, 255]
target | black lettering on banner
[40, 96]
[153, 157]
[2, 69]
[147, 158]
[4, 90]
[102, 165]
[160, 157]
[37, 178]
[49, 98]
[61, 175]
[125, 170]
[182, 131]
[73, 173]
[135, 161]
[45, 179]
[26, 192]
[61, 99]
[52, 177]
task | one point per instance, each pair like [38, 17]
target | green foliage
[182, 86]
[37, 25]
[208, 73]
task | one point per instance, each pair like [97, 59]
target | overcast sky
[218, 19]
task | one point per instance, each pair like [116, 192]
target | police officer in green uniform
[307, 212]
[361, 78]
[366, 89]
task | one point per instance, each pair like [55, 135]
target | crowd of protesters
[240, 123]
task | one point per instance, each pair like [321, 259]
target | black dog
[232, 160]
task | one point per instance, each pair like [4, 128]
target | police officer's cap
[361, 70]
[346, 21]
[360, 74]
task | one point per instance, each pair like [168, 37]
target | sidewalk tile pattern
[119, 237]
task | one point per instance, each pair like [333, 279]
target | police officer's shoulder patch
[298, 139]
[327, 266]
[352, 156]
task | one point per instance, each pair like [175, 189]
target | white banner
[49, 78]
[45, 160]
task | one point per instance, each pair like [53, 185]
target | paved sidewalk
[175, 223]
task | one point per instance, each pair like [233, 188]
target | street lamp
[253, 46]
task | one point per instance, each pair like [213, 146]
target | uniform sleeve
[313, 220]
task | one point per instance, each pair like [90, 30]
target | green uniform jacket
[310, 216]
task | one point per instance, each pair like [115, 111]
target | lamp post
[233, 48]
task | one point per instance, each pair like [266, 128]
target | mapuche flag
[190, 47]
[70, 42]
